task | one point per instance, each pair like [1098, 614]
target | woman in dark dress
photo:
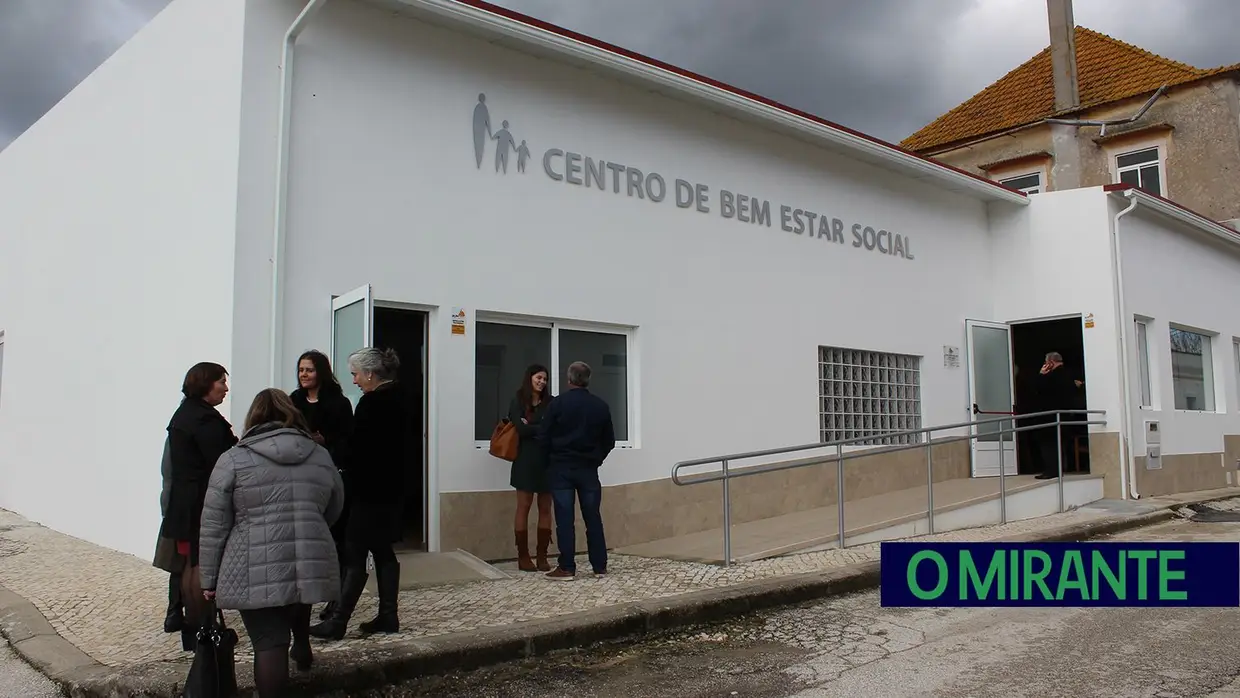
[380, 456]
[529, 470]
[197, 436]
[329, 414]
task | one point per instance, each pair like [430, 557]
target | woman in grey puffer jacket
[266, 546]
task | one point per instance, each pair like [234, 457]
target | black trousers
[1050, 446]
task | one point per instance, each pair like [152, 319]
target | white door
[352, 315]
[989, 347]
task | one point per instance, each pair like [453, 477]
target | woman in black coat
[329, 413]
[380, 456]
[529, 470]
[197, 436]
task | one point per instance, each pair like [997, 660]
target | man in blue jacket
[579, 435]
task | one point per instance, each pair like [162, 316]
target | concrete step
[423, 569]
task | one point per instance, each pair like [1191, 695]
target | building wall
[117, 225]
[729, 316]
[1202, 158]
[1174, 275]
[1053, 258]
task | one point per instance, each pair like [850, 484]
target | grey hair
[579, 374]
[1054, 356]
[383, 363]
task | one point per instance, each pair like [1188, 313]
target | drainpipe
[283, 139]
[1127, 472]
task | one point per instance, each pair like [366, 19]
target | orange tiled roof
[1107, 70]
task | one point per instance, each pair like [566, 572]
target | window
[1192, 371]
[503, 350]
[1140, 169]
[1030, 183]
[868, 393]
[1235, 347]
[502, 353]
[1143, 364]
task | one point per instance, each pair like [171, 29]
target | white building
[705, 250]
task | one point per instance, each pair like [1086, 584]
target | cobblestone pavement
[850, 646]
[111, 604]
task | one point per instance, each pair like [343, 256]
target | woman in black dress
[321, 400]
[381, 454]
[529, 470]
[197, 436]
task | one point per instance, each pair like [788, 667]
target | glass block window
[868, 394]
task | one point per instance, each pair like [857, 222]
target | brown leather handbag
[504, 441]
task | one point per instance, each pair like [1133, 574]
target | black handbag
[214, 671]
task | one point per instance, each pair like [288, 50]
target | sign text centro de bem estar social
[584, 171]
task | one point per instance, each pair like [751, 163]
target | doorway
[405, 331]
[1031, 342]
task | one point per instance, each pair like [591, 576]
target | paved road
[18, 680]
[851, 647]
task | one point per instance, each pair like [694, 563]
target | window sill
[1179, 411]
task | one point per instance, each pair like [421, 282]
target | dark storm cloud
[886, 67]
[48, 46]
[862, 64]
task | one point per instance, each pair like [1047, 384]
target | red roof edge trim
[655, 63]
[1121, 186]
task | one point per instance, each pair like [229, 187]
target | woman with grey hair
[380, 459]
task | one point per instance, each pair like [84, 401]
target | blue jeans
[583, 485]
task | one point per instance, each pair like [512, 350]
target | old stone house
[1039, 128]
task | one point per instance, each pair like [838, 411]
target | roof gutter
[1177, 212]
[486, 20]
[283, 144]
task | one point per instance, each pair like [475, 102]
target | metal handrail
[725, 475]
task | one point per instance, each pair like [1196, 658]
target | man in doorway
[579, 435]
[1056, 390]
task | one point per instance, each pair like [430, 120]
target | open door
[990, 396]
[352, 320]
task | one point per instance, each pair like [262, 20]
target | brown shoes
[561, 575]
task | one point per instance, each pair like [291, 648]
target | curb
[79, 676]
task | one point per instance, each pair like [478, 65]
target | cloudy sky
[886, 67]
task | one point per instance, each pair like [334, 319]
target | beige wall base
[1189, 472]
[482, 522]
[1104, 461]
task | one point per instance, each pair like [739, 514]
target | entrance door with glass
[990, 397]
[352, 319]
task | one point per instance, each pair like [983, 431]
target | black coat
[1055, 391]
[331, 416]
[529, 470]
[381, 456]
[197, 436]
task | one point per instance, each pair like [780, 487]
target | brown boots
[524, 563]
[544, 540]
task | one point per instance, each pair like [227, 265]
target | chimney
[1063, 53]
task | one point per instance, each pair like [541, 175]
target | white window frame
[628, 332]
[1146, 393]
[1235, 350]
[1159, 143]
[1212, 364]
[1040, 173]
